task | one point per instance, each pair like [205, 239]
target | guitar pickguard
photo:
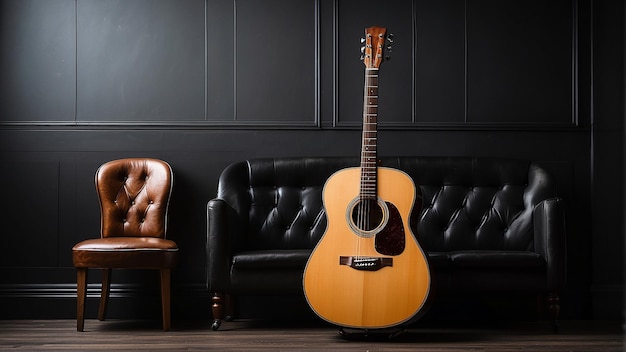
[391, 239]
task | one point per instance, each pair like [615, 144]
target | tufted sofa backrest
[468, 203]
[134, 195]
[476, 204]
[278, 201]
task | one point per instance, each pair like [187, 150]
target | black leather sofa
[487, 225]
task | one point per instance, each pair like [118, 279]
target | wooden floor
[115, 335]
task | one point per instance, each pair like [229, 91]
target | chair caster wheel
[216, 325]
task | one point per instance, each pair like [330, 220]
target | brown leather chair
[134, 197]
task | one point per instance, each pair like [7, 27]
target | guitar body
[374, 277]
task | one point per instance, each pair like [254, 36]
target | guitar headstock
[374, 49]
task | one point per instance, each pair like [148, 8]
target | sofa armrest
[549, 228]
[221, 225]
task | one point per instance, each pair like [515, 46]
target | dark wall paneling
[263, 62]
[37, 65]
[220, 48]
[226, 62]
[396, 76]
[491, 63]
[276, 60]
[520, 62]
[30, 223]
[440, 62]
[140, 60]
[608, 125]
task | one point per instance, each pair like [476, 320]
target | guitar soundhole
[367, 215]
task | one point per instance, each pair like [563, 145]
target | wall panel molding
[244, 64]
[161, 63]
[464, 76]
[263, 63]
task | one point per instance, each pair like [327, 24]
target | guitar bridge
[366, 263]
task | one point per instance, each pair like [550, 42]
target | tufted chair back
[134, 196]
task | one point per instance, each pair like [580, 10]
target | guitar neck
[369, 158]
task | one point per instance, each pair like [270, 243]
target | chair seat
[125, 252]
[126, 243]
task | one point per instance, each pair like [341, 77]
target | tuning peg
[388, 52]
[390, 37]
[362, 40]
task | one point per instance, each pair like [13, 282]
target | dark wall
[202, 84]
[607, 162]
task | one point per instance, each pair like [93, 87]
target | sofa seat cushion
[275, 258]
[438, 260]
[268, 271]
[496, 259]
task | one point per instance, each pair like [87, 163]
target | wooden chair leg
[166, 297]
[105, 293]
[81, 294]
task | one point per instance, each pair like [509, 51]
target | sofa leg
[554, 308]
[218, 310]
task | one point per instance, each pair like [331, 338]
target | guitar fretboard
[369, 159]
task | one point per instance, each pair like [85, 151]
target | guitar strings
[368, 190]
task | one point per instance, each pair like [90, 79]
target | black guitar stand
[366, 334]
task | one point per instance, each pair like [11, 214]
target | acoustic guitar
[368, 270]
